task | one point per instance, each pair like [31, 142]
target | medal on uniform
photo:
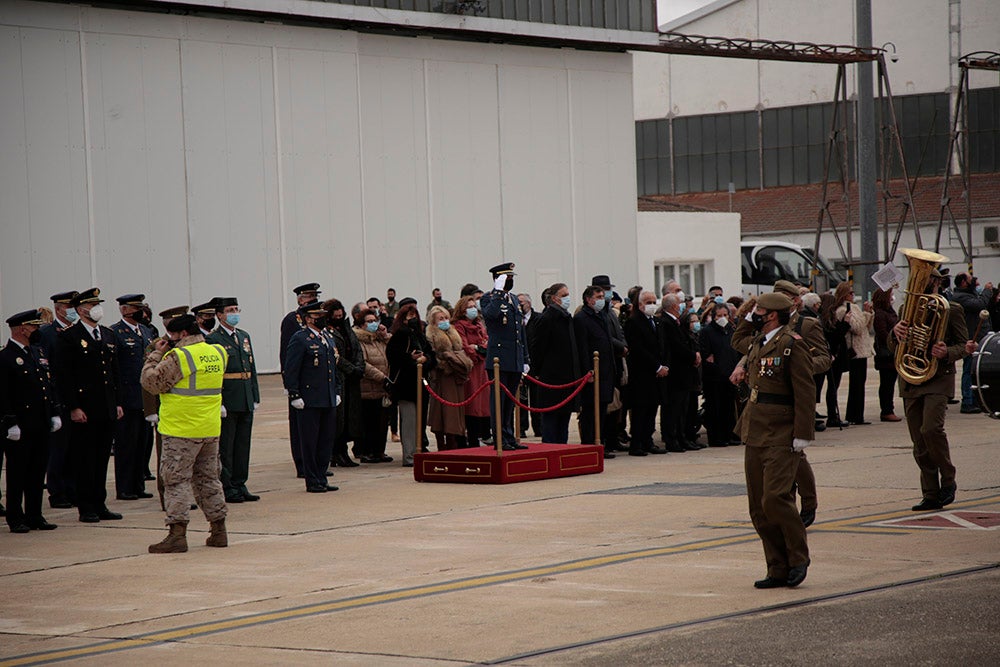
[315, 361]
[20, 361]
[83, 344]
[246, 345]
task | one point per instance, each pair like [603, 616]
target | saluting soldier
[29, 408]
[87, 373]
[151, 402]
[240, 397]
[310, 377]
[508, 342]
[777, 423]
[132, 429]
[60, 479]
[292, 323]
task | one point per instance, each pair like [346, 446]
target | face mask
[757, 320]
[509, 285]
[321, 322]
[565, 302]
[681, 307]
[696, 327]
[477, 304]
[444, 325]
[372, 327]
[722, 321]
[471, 313]
[140, 317]
[680, 296]
[96, 313]
[979, 289]
[414, 324]
[232, 319]
[72, 315]
[649, 309]
[35, 337]
[599, 305]
[719, 300]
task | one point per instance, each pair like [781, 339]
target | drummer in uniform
[776, 425]
[508, 342]
[292, 323]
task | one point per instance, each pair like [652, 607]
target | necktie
[97, 334]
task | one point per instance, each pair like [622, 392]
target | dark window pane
[708, 134]
[561, 15]
[800, 126]
[663, 172]
[574, 12]
[738, 133]
[681, 175]
[816, 163]
[769, 121]
[723, 133]
[753, 169]
[649, 138]
[800, 162]
[752, 129]
[709, 177]
[680, 136]
[639, 146]
[725, 171]
[784, 127]
[694, 136]
[694, 174]
[786, 169]
[663, 138]
[739, 170]
[649, 177]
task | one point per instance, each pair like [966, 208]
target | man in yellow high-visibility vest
[186, 373]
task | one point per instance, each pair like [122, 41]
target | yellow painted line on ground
[176, 634]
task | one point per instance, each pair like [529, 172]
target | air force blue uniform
[132, 430]
[508, 343]
[310, 373]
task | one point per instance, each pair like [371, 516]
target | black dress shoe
[41, 524]
[735, 442]
[107, 515]
[860, 423]
[519, 446]
[953, 401]
[127, 496]
[974, 410]
[345, 461]
[509, 448]
[20, 528]
[770, 582]
[143, 494]
[676, 449]
[608, 455]
[385, 459]
[330, 487]
[636, 452]
[315, 489]
[926, 505]
[946, 496]
[89, 518]
[836, 423]
[820, 427]
[234, 497]
[250, 497]
[329, 473]
[60, 504]
[807, 516]
[656, 450]
[370, 459]
[796, 575]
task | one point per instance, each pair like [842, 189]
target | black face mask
[509, 285]
[320, 322]
[414, 324]
[208, 324]
[140, 317]
[35, 337]
[757, 320]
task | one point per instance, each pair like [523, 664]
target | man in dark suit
[645, 368]
[240, 398]
[132, 429]
[29, 408]
[60, 478]
[87, 375]
[290, 325]
[593, 334]
[529, 390]
[678, 349]
[310, 377]
[552, 344]
[720, 361]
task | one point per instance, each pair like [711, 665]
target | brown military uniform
[925, 406]
[781, 408]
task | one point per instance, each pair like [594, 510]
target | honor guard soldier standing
[60, 478]
[29, 409]
[240, 397]
[777, 423]
[186, 373]
[293, 322]
[205, 315]
[132, 429]
[310, 377]
[508, 342]
[87, 374]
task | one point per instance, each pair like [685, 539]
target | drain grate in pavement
[679, 489]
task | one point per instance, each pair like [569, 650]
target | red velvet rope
[448, 403]
[559, 386]
[552, 408]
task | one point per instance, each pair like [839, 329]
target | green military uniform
[240, 397]
[925, 406]
[781, 408]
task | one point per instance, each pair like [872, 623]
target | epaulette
[795, 335]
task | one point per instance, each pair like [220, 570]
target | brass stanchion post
[497, 416]
[517, 417]
[420, 407]
[597, 398]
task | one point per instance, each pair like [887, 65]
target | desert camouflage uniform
[187, 465]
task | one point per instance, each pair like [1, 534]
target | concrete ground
[650, 562]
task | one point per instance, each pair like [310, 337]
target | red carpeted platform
[481, 465]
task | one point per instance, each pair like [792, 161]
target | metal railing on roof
[763, 49]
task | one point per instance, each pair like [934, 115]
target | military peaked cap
[131, 299]
[312, 308]
[308, 287]
[221, 302]
[25, 317]
[505, 269]
[64, 297]
[204, 308]
[171, 313]
[92, 295]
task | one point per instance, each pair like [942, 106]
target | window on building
[690, 275]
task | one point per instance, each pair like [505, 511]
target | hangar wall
[188, 157]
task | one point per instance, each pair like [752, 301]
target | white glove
[14, 433]
[255, 406]
[500, 283]
[526, 369]
[798, 444]
[153, 418]
[56, 424]
[222, 411]
[298, 404]
[338, 401]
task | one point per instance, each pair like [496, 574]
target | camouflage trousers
[190, 466]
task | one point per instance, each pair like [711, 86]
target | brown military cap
[774, 301]
[786, 287]
[171, 313]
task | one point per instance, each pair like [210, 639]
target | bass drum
[986, 375]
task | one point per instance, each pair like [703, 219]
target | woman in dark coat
[555, 360]
[719, 361]
[885, 320]
[405, 349]
[836, 337]
[350, 370]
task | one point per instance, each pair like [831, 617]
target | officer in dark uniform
[240, 397]
[204, 313]
[508, 342]
[776, 425]
[310, 377]
[87, 375]
[29, 408]
[132, 429]
[60, 478]
[292, 323]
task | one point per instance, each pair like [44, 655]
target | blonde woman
[447, 380]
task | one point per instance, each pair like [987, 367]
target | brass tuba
[926, 315]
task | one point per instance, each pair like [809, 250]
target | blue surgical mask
[979, 289]
[372, 326]
[565, 302]
[444, 325]
[232, 319]
[719, 300]
[72, 315]
[696, 327]
[599, 305]
[471, 313]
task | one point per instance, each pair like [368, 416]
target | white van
[764, 262]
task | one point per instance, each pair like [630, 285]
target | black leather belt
[773, 399]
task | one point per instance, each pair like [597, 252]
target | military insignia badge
[83, 344]
[20, 361]
[246, 345]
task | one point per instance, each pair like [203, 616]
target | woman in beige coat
[447, 380]
[372, 337]
[861, 347]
